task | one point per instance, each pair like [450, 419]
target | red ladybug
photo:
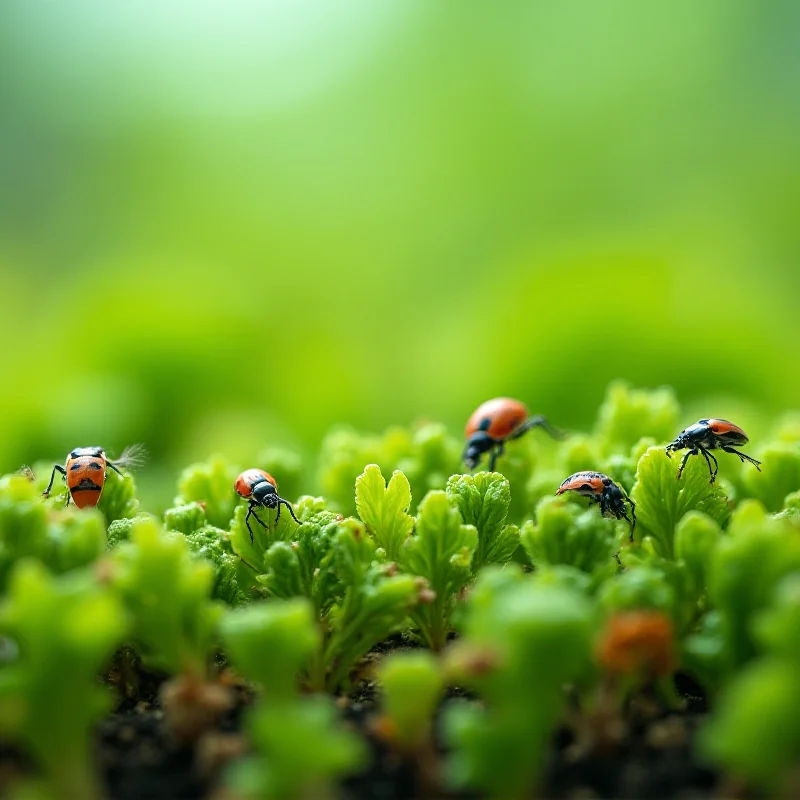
[261, 489]
[85, 472]
[601, 489]
[493, 424]
[710, 434]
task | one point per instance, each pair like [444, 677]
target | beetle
[601, 489]
[710, 434]
[496, 422]
[86, 469]
[261, 489]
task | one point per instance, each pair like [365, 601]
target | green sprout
[662, 500]
[483, 501]
[300, 748]
[65, 630]
[211, 485]
[522, 642]
[567, 533]
[383, 508]
[440, 552]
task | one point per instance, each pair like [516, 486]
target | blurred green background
[229, 224]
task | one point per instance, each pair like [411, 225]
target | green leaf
[186, 519]
[231, 583]
[118, 500]
[522, 642]
[566, 533]
[167, 592]
[270, 643]
[755, 730]
[441, 552]
[50, 699]
[384, 509]
[483, 501]
[662, 500]
[210, 484]
[411, 685]
[696, 537]
[779, 476]
[301, 750]
[628, 415]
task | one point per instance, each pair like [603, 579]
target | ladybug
[710, 434]
[261, 489]
[601, 489]
[86, 469]
[494, 423]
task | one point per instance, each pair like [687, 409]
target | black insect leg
[692, 452]
[56, 468]
[495, 454]
[709, 457]
[110, 464]
[743, 457]
[537, 422]
[251, 511]
[289, 506]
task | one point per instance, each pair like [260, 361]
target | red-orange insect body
[601, 490]
[261, 489]
[494, 423]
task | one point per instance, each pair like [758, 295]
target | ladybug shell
[498, 417]
[249, 478]
[725, 429]
[584, 482]
[86, 475]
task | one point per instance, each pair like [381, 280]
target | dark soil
[139, 761]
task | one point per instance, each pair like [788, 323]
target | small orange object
[638, 642]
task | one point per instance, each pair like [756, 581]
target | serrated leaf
[483, 501]
[441, 552]
[662, 500]
[384, 508]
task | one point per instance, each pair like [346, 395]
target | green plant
[661, 500]
[65, 631]
[211, 485]
[440, 552]
[522, 642]
[384, 508]
[300, 747]
[483, 501]
[567, 533]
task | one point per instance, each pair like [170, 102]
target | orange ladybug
[494, 423]
[601, 490]
[710, 434]
[85, 472]
[261, 489]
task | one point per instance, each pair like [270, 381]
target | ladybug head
[477, 444]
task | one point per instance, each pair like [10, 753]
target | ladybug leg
[709, 458]
[251, 512]
[743, 457]
[537, 422]
[495, 454]
[56, 468]
[693, 452]
[111, 464]
[289, 506]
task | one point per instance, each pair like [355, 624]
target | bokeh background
[226, 224]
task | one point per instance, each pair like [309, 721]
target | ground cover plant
[417, 630]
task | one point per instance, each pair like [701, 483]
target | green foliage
[483, 501]
[384, 508]
[411, 686]
[65, 630]
[567, 533]
[779, 475]
[286, 466]
[745, 567]
[186, 519]
[119, 500]
[661, 500]
[270, 643]
[167, 593]
[233, 579]
[696, 538]
[627, 415]
[62, 538]
[211, 484]
[276, 530]
[300, 747]
[637, 588]
[440, 552]
[522, 642]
